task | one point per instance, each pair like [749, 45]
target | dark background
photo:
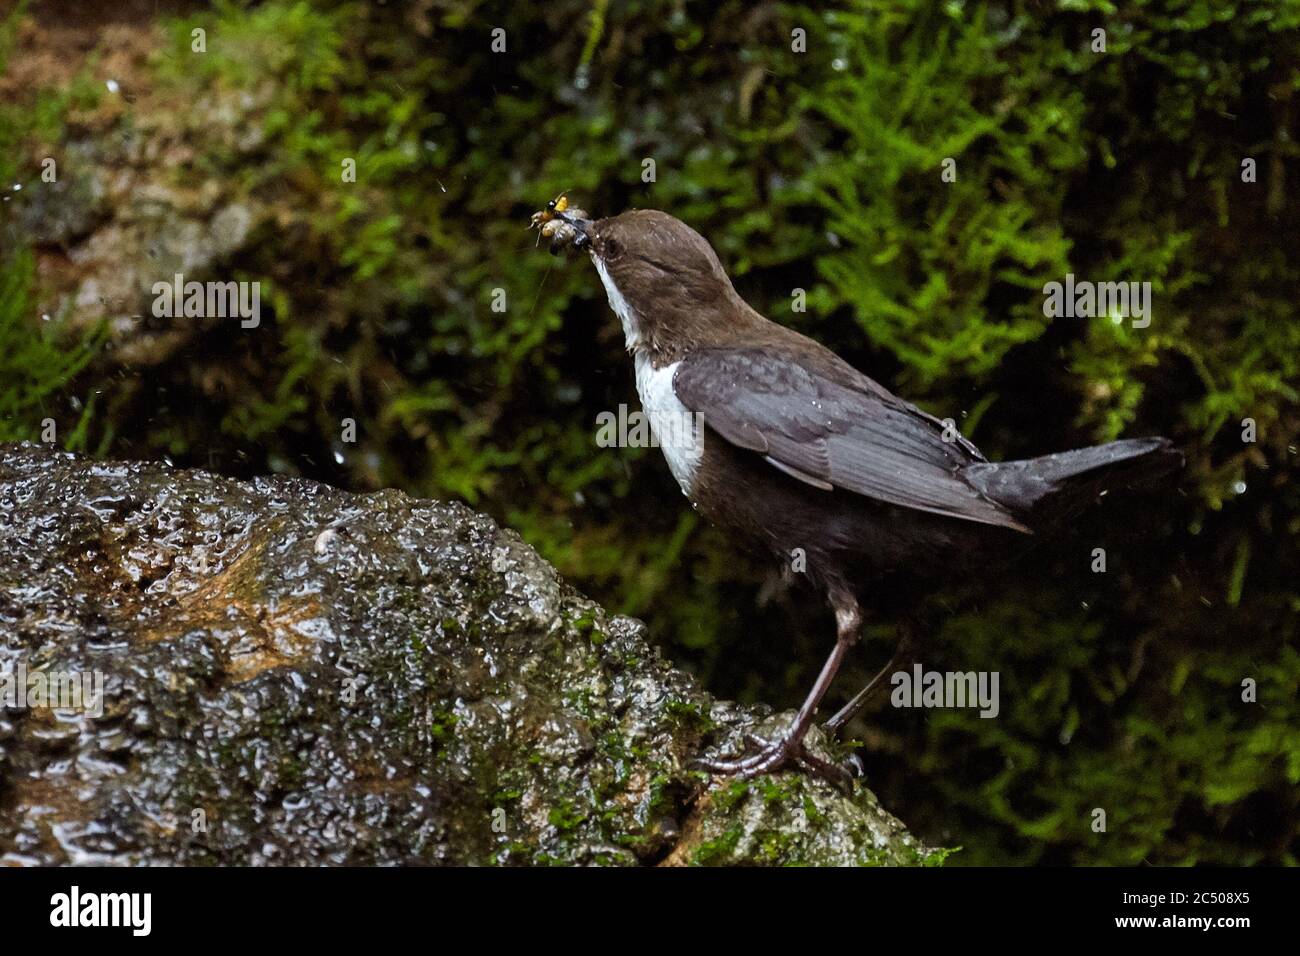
[818, 171]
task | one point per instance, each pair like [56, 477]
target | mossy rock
[297, 675]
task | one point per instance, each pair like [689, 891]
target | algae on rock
[298, 675]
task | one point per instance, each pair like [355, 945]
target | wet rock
[62, 212]
[230, 228]
[293, 674]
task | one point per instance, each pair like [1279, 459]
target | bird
[788, 448]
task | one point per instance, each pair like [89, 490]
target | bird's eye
[612, 249]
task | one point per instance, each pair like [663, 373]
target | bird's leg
[774, 754]
[853, 707]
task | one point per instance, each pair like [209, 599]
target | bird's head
[648, 251]
[663, 279]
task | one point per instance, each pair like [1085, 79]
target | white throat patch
[678, 431]
[631, 330]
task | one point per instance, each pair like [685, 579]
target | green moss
[35, 364]
[38, 358]
[442, 727]
[586, 626]
[690, 715]
[814, 815]
[566, 816]
[822, 172]
[728, 797]
[719, 851]
[936, 857]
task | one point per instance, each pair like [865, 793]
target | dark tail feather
[1057, 486]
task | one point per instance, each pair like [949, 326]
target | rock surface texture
[297, 675]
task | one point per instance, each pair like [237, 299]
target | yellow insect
[559, 204]
[555, 223]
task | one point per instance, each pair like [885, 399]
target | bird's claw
[773, 755]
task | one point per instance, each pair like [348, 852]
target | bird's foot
[772, 755]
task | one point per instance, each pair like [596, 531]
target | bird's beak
[567, 227]
[569, 233]
[583, 227]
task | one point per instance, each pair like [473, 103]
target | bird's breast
[678, 431]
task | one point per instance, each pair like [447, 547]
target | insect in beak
[556, 206]
[565, 226]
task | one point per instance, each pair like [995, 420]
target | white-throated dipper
[782, 443]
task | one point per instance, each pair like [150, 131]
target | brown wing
[832, 435]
